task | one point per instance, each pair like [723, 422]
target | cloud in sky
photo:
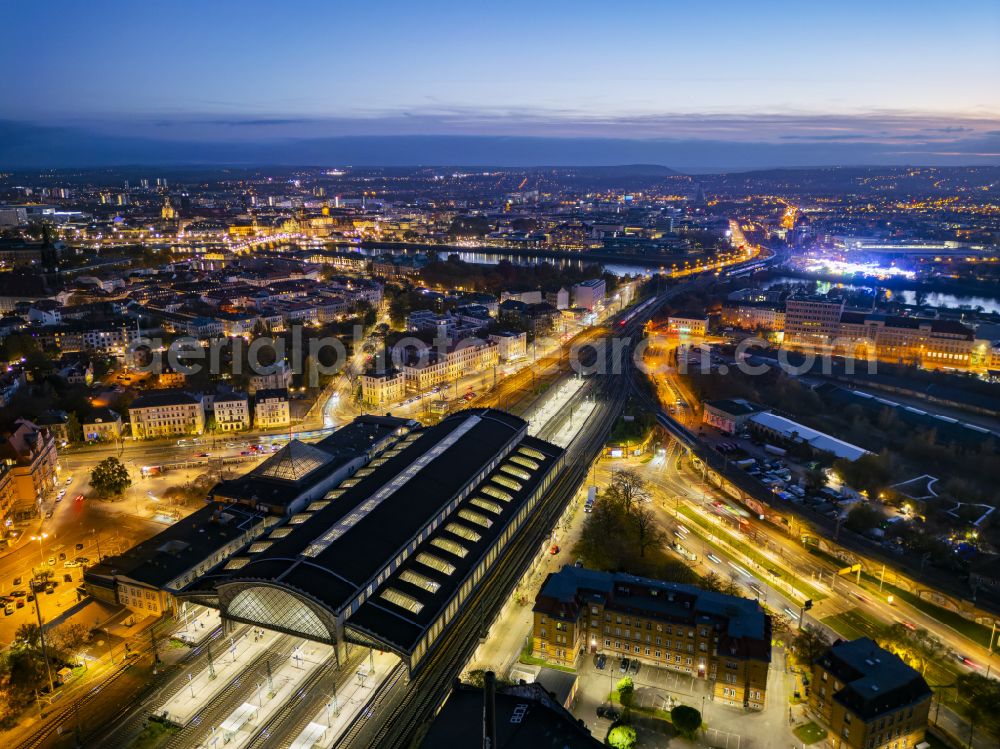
[688, 142]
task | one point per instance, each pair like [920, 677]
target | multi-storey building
[511, 346]
[687, 326]
[813, 319]
[724, 639]
[279, 377]
[379, 388]
[426, 368]
[589, 294]
[754, 316]
[868, 698]
[271, 409]
[232, 412]
[101, 425]
[30, 452]
[927, 342]
[166, 414]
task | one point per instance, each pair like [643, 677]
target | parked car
[601, 661]
[606, 711]
[623, 666]
[79, 547]
[67, 578]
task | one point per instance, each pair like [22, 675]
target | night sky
[686, 84]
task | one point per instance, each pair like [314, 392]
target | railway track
[403, 707]
[224, 703]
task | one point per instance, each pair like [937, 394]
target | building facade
[381, 388]
[868, 698]
[166, 414]
[723, 639]
[232, 413]
[271, 409]
[511, 346]
[424, 370]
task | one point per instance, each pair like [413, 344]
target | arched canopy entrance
[276, 608]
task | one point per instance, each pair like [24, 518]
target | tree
[809, 644]
[647, 532]
[110, 478]
[626, 690]
[628, 489]
[622, 737]
[863, 517]
[815, 480]
[687, 720]
[74, 431]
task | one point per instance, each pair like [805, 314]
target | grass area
[809, 733]
[533, 660]
[791, 579]
[153, 735]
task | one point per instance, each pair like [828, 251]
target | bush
[686, 720]
[622, 737]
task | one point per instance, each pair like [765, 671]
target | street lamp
[39, 538]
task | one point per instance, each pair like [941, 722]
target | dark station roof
[340, 542]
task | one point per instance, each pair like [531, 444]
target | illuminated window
[259, 546]
[526, 462]
[516, 472]
[319, 504]
[450, 546]
[504, 481]
[402, 600]
[435, 563]
[236, 562]
[462, 532]
[530, 452]
[415, 578]
[497, 493]
[281, 532]
[335, 493]
[485, 504]
[300, 518]
[475, 517]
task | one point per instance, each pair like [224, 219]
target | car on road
[69, 480]
[82, 560]
[606, 711]
[714, 559]
[50, 589]
[19, 603]
[51, 561]
[78, 498]
[79, 547]
[18, 593]
[8, 609]
[554, 550]
[59, 498]
[601, 661]
[203, 455]
[623, 666]
[966, 660]
[48, 514]
[69, 563]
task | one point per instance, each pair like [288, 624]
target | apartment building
[382, 388]
[868, 698]
[687, 326]
[425, 369]
[31, 457]
[927, 342]
[589, 294]
[754, 316]
[271, 409]
[232, 412]
[813, 319]
[101, 425]
[511, 346]
[166, 413]
[725, 640]
[279, 377]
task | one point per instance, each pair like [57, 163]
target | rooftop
[876, 681]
